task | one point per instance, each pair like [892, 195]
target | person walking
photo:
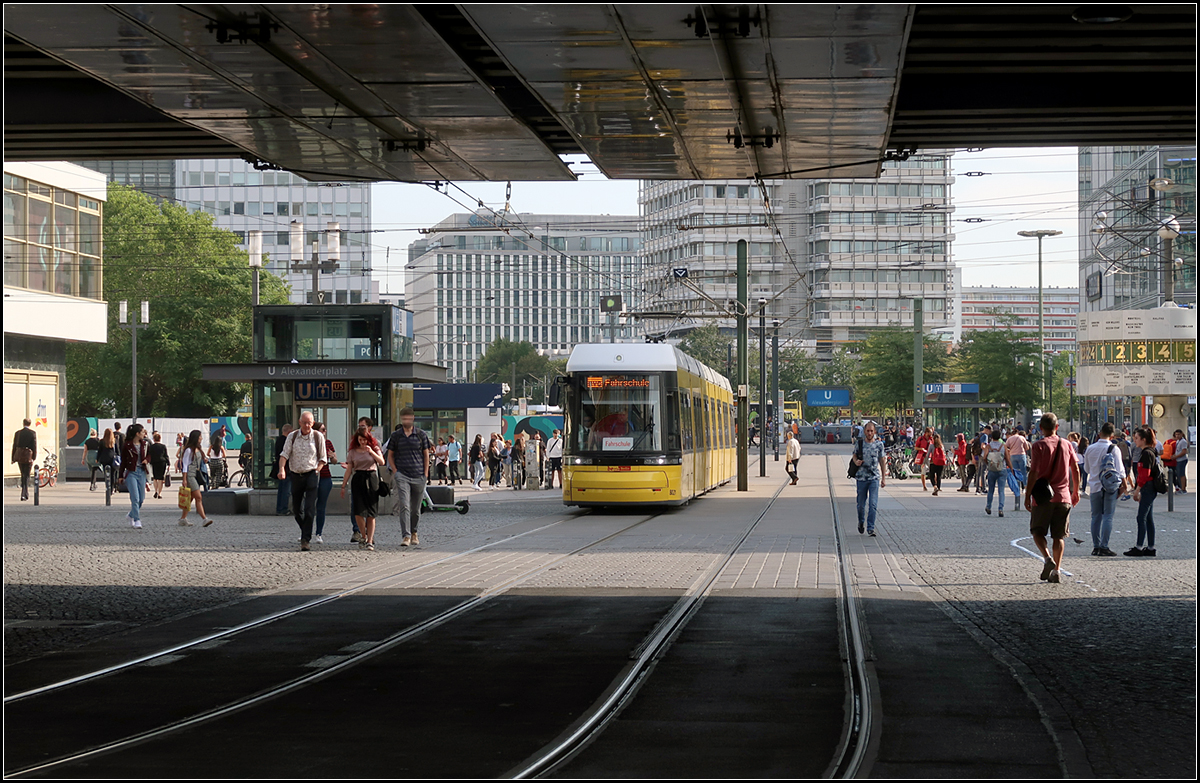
[1181, 461]
[493, 460]
[1016, 449]
[791, 457]
[506, 458]
[24, 451]
[870, 478]
[192, 463]
[1052, 460]
[997, 471]
[1081, 447]
[518, 461]
[453, 458]
[1103, 458]
[108, 458]
[324, 484]
[91, 455]
[475, 460]
[962, 458]
[363, 458]
[160, 460]
[1127, 457]
[285, 484]
[301, 460]
[440, 460]
[937, 464]
[134, 460]
[1148, 469]
[408, 458]
[554, 455]
[541, 459]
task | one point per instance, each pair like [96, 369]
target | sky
[1010, 190]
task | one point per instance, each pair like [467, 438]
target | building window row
[899, 189]
[889, 247]
[52, 239]
[879, 219]
[877, 305]
[879, 276]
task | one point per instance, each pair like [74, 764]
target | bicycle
[47, 474]
[242, 478]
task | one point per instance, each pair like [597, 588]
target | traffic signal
[611, 304]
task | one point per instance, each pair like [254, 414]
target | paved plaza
[1108, 654]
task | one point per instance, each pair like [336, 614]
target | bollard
[1170, 489]
[33, 473]
[108, 486]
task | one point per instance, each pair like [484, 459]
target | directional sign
[680, 272]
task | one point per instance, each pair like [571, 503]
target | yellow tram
[644, 424]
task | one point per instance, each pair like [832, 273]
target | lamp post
[1040, 234]
[1169, 232]
[254, 239]
[775, 386]
[126, 323]
[762, 387]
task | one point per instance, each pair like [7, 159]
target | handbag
[167, 479]
[852, 471]
[384, 489]
[185, 497]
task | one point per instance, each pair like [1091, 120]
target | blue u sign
[828, 398]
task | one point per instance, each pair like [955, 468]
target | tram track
[860, 730]
[257, 697]
[641, 664]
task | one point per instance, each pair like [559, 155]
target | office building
[53, 291]
[241, 198]
[839, 258]
[471, 282]
[994, 307]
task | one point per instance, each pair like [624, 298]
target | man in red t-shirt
[1053, 459]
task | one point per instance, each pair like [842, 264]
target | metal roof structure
[495, 92]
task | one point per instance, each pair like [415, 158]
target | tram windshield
[615, 414]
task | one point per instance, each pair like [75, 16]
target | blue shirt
[453, 450]
[872, 457]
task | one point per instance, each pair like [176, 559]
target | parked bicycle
[47, 474]
[242, 478]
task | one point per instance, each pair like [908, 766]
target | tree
[496, 366]
[1004, 366]
[708, 345]
[198, 284]
[886, 377]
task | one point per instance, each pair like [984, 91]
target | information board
[828, 398]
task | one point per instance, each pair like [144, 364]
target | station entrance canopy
[496, 92]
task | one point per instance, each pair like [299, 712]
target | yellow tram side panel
[617, 485]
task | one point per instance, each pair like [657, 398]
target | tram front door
[337, 429]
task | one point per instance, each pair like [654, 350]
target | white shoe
[137, 524]
[184, 523]
[318, 539]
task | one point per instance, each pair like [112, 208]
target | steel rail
[264, 620]
[278, 690]
[644, 658]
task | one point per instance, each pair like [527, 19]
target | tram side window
[685, 410]
[701, 435]
[673, 418]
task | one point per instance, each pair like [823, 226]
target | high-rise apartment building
[839, 258]
[1000, 307]
[470, 282]
[1125, 195]
[241, 199]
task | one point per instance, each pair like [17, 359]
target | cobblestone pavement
[1111, 650]
[74, 570]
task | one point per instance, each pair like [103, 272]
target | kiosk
[339, 362]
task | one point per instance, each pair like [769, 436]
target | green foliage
[885, 380]
[708, 346]
[198, 284]
[496, 366]
[999, 362]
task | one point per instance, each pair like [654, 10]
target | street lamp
[1169, 232]
[254, 238]
[126, 323]
[1040, 234]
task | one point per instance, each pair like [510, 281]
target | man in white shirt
[792, 458]
[301, 460]
[1104, 504]
[554, 453]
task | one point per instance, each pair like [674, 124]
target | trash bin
[829, 438]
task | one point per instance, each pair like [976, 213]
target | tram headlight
[580, 461]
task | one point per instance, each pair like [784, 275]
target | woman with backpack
[1150, 477]
[937, 463]
[997, 465]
